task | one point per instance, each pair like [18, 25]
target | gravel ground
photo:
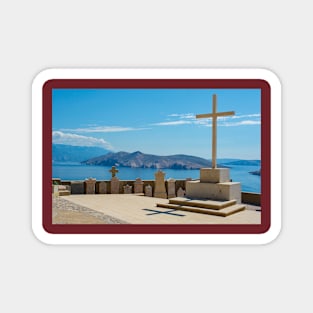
[66, 212]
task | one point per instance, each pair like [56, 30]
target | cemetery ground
[136, 209]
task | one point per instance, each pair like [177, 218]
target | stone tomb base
[214, 191]
[214, 184]
[213, 194]
[211, 207]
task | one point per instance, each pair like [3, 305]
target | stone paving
[67, 212]
[134, 209]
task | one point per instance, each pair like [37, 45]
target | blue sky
[158, 121]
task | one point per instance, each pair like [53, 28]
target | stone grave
[171, 191]
[181, 192]
[77, 187]
[148, 191]
[90, 184]
[128, 189]
[159, 188]
[138, 186]
[102, 187]
[115, 185]
[115, 182]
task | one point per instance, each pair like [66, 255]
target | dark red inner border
[157, 83]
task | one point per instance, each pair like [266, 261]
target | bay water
[76, 171]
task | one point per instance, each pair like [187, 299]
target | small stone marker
[138, 186]
[171, 188]
[115, 185]
[113, 171]
[181, 192]
[148, 191]
[102, 187]
[77, 187]
[159, 189]
[90, 186]
[127, 189]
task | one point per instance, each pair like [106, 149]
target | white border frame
[163, 239]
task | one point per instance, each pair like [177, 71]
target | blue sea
[76, 171]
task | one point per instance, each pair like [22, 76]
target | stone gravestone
[138, 186]
[159, 189]
[148, 191]
[90, 186]
[102, 187]
[181, 192]
[128, 189]
[77, 187]
[171, 188]
[115, 185]
[115, 182]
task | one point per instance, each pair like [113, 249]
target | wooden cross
[113, 171]
[214, 115]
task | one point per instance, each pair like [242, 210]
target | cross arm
[229, 113]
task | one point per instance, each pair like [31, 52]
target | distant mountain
[67, 153]
[141, 160]
[245, 162]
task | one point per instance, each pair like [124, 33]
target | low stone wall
[251, 198]
[80, 187]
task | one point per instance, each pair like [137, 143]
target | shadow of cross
[163, 212]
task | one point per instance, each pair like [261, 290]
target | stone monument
[138, 186]
[214, 182]
[102, 187]
[128, 189]
[113, 171]
[181, 192]
[214, 193]
[115, 182]
[148, 191]
[90, 186]
[159, 188]
[171, 191]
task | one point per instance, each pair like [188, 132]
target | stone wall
[79, 187]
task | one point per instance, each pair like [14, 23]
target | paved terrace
[136, 209]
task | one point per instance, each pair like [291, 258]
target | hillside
[244, 162]
[67, 153]
[141, 160]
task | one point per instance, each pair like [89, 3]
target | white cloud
[226, 121]
[183, 115]
[59, 137]
[180, 122]
[102, 129]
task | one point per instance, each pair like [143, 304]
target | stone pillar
[90, 186]
[115, 185]
[159, 188]
[148, 191]
[171, 190]
[103, 187]
[138, 186]
[128, 189]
